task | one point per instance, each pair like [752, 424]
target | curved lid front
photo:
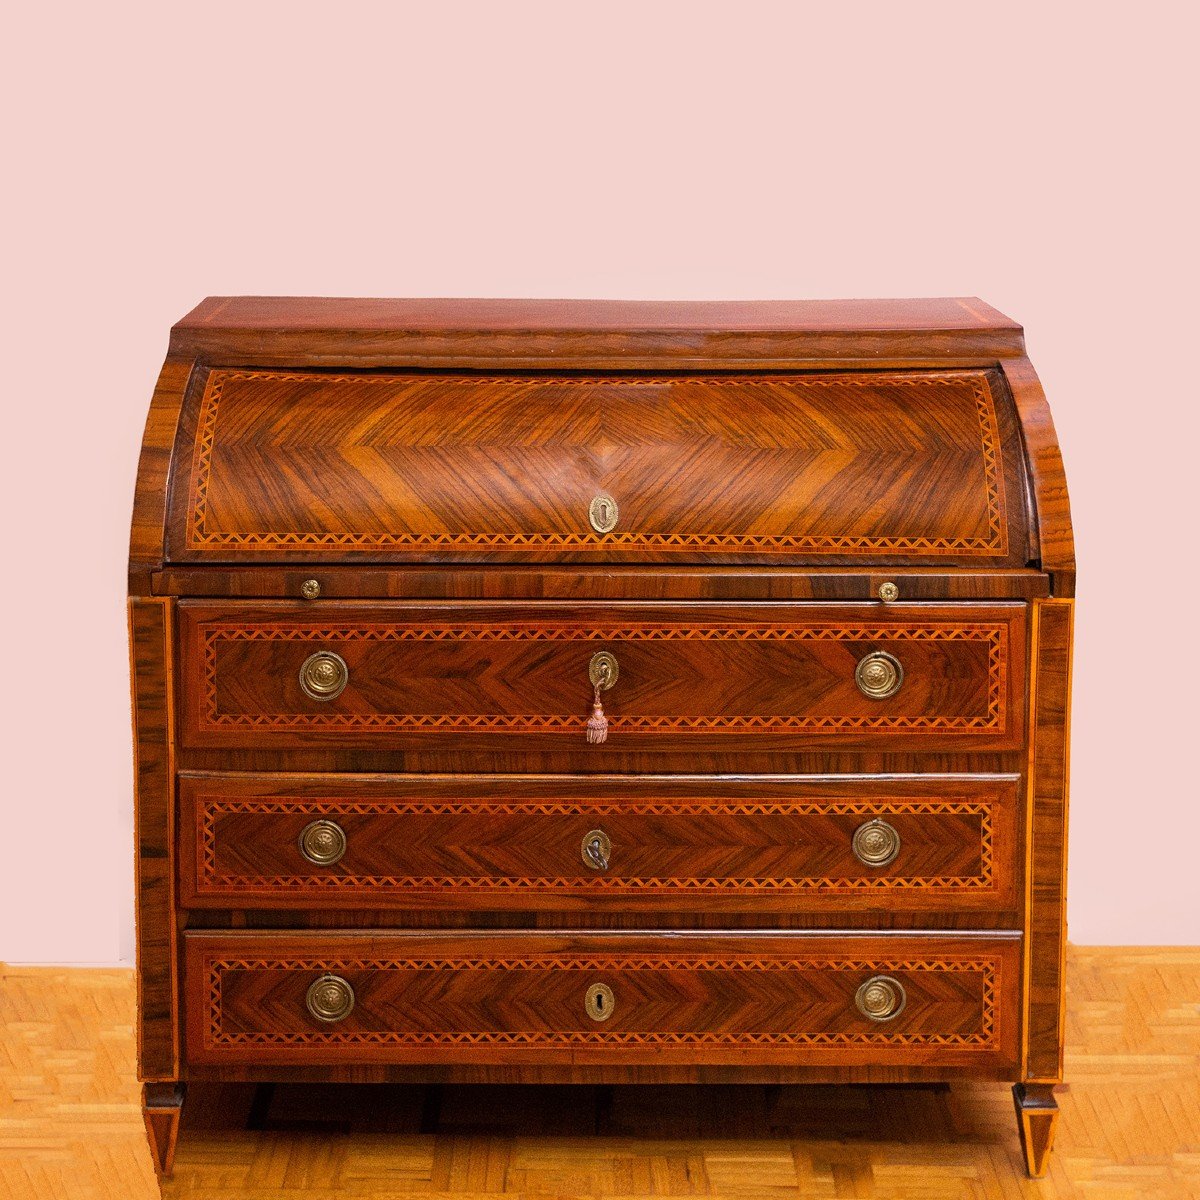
[889, 467]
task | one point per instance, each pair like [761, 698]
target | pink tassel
[597, 725]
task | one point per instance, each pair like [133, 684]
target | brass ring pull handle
[879, 675]
[330, 999]
[599, 1002]
[323, 842]
[876, 843]
[596, 849]
[324, 675]
[602, 671]
[881, 998]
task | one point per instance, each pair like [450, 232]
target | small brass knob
[876, 843]
[888, 592]
[596, 849]
[310, 589]
[324, 675]
[881, 998]
[602, 513]
[323, 842]
[879, 675]
[599, 1002]
[330, 999]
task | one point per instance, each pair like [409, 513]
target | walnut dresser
[600, 692]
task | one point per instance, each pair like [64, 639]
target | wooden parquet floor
[70, 1123]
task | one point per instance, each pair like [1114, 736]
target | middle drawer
[769, 844]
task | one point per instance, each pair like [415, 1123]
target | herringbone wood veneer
[70, 1123]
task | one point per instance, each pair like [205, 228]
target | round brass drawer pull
[324, 675]
[888, 592]
[596, 849]
[310, 589]
[330, 998]
[876, 843]
[599, 1002]
[881, 998]
[323, 842]
[879, 675]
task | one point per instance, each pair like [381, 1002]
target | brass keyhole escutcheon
[323, 842]
[603, 670]
[881, 998]
[876, 843]
[596, 849]
[324, 675]
[879, 675]
[603, 513]
[599, 1002]
[330, 999]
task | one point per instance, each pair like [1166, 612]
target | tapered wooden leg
[1037, 1117]
[162, 1104]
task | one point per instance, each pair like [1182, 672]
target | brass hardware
[876, 843]
[323, 842]
[603, 513]
[881, 998]
[324, 675]
[599, 1002]
[596, 849]
[888, 592]
[879, 675]
[310, 589]
[603, 670]
[330, 999]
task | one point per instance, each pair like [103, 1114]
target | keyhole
[599, 1002]
[603, 512]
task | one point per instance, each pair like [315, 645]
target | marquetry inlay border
[330, 879]
[995, 636]
[985, 1037]
[201, 537]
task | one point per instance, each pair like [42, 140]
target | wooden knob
[881, 998]
[330, 999]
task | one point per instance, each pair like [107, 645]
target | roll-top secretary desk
[600, 692]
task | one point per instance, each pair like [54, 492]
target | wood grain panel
[151, 640]
[516, 843]
[1046, 840]
[520, 676]
[892, 467]
[519, 997]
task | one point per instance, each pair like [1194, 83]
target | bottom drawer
[628, 998]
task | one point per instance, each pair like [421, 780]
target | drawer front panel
[522, 843]
[750, 676]
[882, 466]
[551, 998]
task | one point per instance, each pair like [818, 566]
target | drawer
[321, 998]
[510, 677]
[920, 467]
[769, 844]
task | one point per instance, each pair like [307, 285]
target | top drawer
[765, 677]
[891, 468]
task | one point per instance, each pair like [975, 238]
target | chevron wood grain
[71, 1128]
[906, 465]
[513, 845]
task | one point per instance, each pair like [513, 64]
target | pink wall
[1041, 156]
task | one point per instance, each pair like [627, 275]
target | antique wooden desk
[591, 691]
